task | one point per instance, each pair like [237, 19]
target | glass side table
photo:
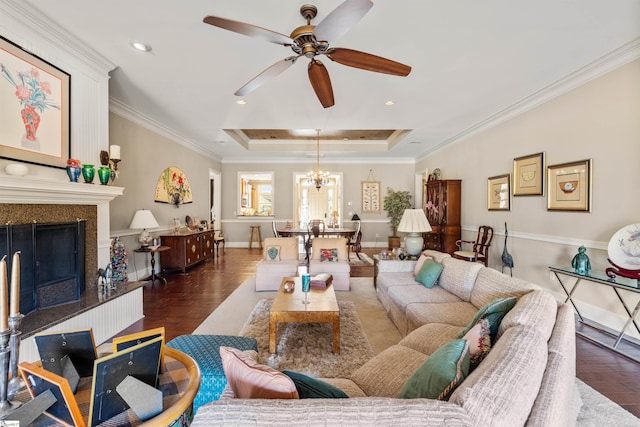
[391, 264]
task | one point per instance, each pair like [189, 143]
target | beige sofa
[340, 269]
[528, 377]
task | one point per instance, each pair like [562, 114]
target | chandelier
[318, 178]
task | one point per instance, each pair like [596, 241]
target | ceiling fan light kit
[313, 40]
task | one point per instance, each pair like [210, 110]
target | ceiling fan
[313, 40]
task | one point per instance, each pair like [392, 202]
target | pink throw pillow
[250, 380]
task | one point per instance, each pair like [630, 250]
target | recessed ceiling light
[390, 102]
[142, 47]
[241, 101]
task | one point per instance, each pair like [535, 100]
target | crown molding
[125, 111]
[57, 36]
[603, 65]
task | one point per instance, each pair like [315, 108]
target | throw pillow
[312, 388]
[493, 311]
[479, 343]
[250, 380]
[330, 255]
[429, 273]
[440, 374]
[272, 253]
[419, 263]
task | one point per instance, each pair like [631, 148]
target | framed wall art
[34, 100]
[528, 175]
[173, 187]
[370, 196]
[499, 193]
[569, 186]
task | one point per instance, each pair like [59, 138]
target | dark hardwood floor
[187, 299]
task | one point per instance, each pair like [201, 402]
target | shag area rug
[308, 347]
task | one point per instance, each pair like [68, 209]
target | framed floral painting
[34, 100]
[569, 186]
[528, 175]
[499, 193]
[370, 196]
[173, 187]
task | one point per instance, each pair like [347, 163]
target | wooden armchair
[480, 247]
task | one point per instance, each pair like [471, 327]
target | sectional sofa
[527, 377]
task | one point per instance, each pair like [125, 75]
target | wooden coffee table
[288, 307]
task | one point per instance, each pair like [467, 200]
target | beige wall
[599, 120]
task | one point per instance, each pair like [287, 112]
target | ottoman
[205, 350]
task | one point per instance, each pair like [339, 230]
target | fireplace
[52, 261]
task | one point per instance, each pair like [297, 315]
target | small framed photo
[528, 175]
[569, 186]
[39, 380]
[499, 193]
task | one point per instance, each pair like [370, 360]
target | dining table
[306, 234]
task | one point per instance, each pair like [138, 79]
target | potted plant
[395, 203]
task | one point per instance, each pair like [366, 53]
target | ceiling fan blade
[248, 30]
[367, 61]
[321, 83]
[269, 73]
[341, 19]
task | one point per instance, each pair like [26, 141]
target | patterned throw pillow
[440, 374]
[479, 342]
[493, 311]
[330, 255]
[250, 380]
[272, 253]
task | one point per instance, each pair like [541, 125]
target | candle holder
[6, 407]
[16, 383]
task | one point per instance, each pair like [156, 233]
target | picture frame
[78, 344]
[499, 193]
[39, 380]
[35, 101]
[141, 361]
[528, 175]
[126, 341]
[370, 196]
[569, 186]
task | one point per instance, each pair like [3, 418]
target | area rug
[308, 347]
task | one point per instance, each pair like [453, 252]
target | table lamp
[143, 219]
[414, 222]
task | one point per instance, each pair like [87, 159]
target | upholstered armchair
[279, 259]
[329, 255]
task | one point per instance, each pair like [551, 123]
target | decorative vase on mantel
[88, 172]
[73, 172]
[104, 173]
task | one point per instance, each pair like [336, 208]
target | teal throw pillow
[273, 253]
[440, 374]
[493, 311]
[429, 273]
[312, 388]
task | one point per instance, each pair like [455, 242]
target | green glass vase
[88, 173]
[104, 173]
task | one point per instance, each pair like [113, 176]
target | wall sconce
[111, 160]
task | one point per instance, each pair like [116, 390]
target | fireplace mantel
[30, 189]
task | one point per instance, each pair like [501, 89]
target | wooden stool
[254, 233]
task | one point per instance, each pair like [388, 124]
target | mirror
[255, 194]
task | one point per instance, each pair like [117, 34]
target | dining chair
[480, 247]
[353, 243]
[315, 227]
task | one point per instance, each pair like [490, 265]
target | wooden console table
[188, 248]
[617, 284]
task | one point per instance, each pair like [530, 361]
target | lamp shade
[143, 219]
[414, 221]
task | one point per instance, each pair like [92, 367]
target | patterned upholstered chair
[279, 259]
[329, 255]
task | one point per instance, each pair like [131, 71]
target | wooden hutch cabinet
[187, 249]
[442, 199]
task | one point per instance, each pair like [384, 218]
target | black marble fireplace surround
[52, 261]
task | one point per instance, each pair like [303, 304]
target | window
[255, 194]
